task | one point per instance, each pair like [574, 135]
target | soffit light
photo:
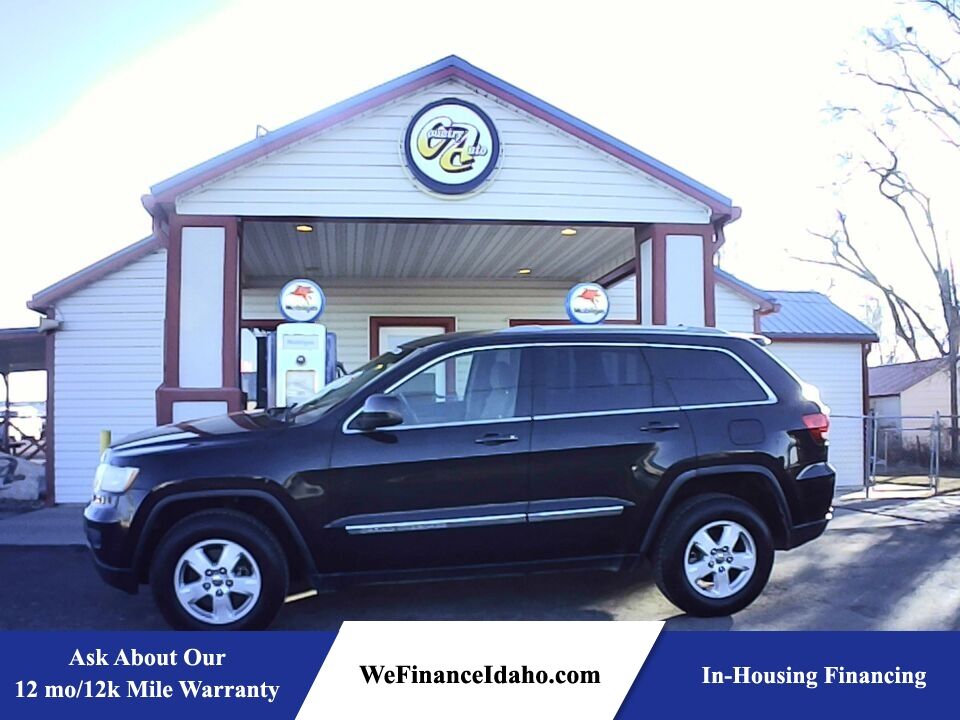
[568, 232]
[524, 271]
[304, 228]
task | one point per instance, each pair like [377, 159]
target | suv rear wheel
[714, 557]
[219, 570]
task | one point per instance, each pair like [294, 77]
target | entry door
[448, 486]
[604, 434]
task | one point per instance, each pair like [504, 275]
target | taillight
[818, 424]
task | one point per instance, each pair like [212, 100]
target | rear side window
[703, 377]
[581, 379]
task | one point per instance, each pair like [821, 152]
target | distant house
[913, 389]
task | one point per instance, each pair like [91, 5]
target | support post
[201, 374]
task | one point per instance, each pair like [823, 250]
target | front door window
[470, 387]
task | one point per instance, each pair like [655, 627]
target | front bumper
[107, 539]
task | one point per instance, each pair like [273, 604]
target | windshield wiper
[283, 414]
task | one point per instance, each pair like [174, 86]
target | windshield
[343, 387]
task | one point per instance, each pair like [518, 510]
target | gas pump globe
[301, 354]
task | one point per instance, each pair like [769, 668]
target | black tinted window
[589, 379]
[702, 377]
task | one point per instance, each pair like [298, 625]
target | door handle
[494, 439]
[659, 427]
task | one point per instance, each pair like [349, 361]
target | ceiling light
[304, 228]
[568, 232]
[524, 271]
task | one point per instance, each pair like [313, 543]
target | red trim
[709, 282]
[865, 381]
[49, 451]
[658, 276]
[44, 299]
[448, 323]
[171, 320]
[231, 306]
[620, 272]
[261, 324]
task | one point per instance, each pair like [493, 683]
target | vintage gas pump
[301, 354]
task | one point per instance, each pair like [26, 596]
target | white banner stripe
[412, 658]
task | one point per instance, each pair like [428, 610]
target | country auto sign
[451, 147]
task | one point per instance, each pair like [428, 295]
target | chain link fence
[912, 450]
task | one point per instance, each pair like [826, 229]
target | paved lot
[888, 564]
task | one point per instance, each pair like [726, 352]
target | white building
[405, 241]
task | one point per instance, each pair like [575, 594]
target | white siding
[108, 364]
[733, 311]
[476, 306]
[623, 300]
[355, 170]
[927, 397]
[835, 368]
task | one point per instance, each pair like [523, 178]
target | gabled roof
[812, 315]
[894, 379]
[765, 300]
[446, 68]
[43, 300]
[788, 314]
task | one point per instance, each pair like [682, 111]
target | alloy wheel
[720, 559]
[217, 581]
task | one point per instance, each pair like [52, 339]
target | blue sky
[52, 51]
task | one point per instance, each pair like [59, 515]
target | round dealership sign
[301, 300]
[587, 304]
[451, 146]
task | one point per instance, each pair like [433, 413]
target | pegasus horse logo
[304, 292]
[591, 295]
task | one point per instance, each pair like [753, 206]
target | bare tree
[922, 82]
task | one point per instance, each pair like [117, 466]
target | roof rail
[622, 327]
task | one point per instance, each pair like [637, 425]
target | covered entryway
[444, 193]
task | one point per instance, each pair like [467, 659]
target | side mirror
[378, 411]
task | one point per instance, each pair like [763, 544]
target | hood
[198, 431]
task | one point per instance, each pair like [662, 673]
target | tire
[682, 555]
[187, 564]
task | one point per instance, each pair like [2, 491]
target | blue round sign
[301, 300]
[587, 304]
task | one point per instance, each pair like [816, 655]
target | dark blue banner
[268, 675]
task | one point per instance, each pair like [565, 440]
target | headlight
[110, 478]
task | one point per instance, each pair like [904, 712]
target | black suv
[514, 450]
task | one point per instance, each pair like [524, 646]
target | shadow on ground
[879, 566]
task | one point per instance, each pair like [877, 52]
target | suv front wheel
[219, 570]
[714, 557]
